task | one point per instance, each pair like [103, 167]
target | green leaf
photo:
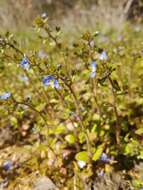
[94, 128]
[70, 139]
[60, 129]
[82, 156]
[132, 148]
[81, 137]
[14, 122]
[96, 117]
[98, 153]
[141, 155]
[115, 85]
[139, 131]
[40, 106]
[38, 22]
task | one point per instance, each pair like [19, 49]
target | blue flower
[51, 81]
[101, 173]
[93, 68]
[8, 165]
[5, 96]
[104, 158]
[56, 84]
[47, 80]
[103, 56]
[25, 63]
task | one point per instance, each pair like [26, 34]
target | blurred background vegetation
[17, 14]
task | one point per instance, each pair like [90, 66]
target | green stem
[117, 131]
[116, 112]
[77, 104]
[95, 97]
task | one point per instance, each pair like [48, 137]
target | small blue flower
[8, 165]
[51, 81]
[25, 63]
[5, 96]
[93, 68]
[56, 84]
[101, 173]
[141, 188]
[47, 80]
[104, 158]
[103, 56]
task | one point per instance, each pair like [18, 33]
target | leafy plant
[81, 103]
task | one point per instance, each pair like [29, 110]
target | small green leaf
[82, 156]
[139, 131]
[98, 153]
[14, 122]
[60, 129]
[70, 139]
[131, 148]
[40, 106]
[94, 128]
[141, 155]
[115, 85]
[96, 117]
[81, 137]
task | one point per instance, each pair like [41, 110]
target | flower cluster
[102, 57]
[49, 80]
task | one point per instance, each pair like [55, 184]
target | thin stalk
[64, 105]
[15, 48]
[118, 130]
[51, 36]
[77, 103]
[95, 97]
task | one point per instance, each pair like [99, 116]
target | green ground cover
[72, 108]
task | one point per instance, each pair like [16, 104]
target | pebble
[44, 183]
